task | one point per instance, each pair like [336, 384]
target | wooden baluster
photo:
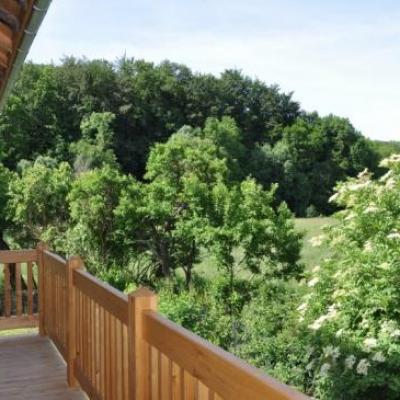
[18, 290]
[119, 372]
[125, 360]
[154, 374]
[189, 386]
[30, 288]
[73, 264]
[42, 305]
[7, 291]
[165, 378]
[102, 351]
[98, 348]
[177, 382]
[203, 392]
[139, 362]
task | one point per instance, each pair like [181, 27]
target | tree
[314, 154]
[95, 149]
[37, 205]
[166, 214]
[244, 219]
[93, 200]
[6, 176]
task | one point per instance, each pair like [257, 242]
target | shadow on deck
[31, 368]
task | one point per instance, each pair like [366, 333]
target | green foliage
[164, 217]
[93, 199]
[243, 216]
[218, 188]
[190, 202]
[313, 154]
[87, 110]
[38, 206]
[351, 312]
[385, 149]
[273, 340]
[94, 150]
[197, 311]
[6, 176]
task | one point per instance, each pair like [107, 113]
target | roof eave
[39, 11]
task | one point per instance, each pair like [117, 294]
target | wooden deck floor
[31, 368]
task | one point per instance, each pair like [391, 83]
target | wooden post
[73, 264]
[139, 361]
[41, 247]
[7, 290]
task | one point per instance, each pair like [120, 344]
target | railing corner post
[139, 360]
[73, 263]
[41, 247]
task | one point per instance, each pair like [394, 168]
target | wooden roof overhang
[19, 22]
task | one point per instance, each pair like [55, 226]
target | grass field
[312, 256]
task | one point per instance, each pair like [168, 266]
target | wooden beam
[11, 323]
[17, 256]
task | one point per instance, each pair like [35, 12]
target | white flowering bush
[351, 312]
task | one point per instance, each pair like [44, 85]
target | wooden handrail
[220, 371]
[119, 347]
[108, 297]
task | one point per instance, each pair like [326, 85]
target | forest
[191, 184]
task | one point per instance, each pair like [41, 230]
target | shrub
[352, 311]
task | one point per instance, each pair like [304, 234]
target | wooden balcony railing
[119, 347]
[19, 303]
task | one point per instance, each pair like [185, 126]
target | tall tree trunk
[165, 258]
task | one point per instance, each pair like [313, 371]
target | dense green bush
[352, 308]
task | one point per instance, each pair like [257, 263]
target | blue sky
[340, 57]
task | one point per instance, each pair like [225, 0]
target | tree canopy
[67, 112]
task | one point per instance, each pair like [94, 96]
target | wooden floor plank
[31, 368]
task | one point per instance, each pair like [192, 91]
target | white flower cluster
[394, 235]
[317, 241]
[364, 174]
[362, 366]
[371, 209]
[370, 344]
[385, 177]
[312, 282]
[358, 186]
[368, 247]
[364, 363]
[379, 357]
[387, 162]
[331, 314]
[325, 369]
[333, 198]
[331, 352]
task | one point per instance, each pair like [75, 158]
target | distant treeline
[302, 152]
[385, 149]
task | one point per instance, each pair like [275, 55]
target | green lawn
[312, 256]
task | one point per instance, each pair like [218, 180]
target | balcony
[98, 342]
